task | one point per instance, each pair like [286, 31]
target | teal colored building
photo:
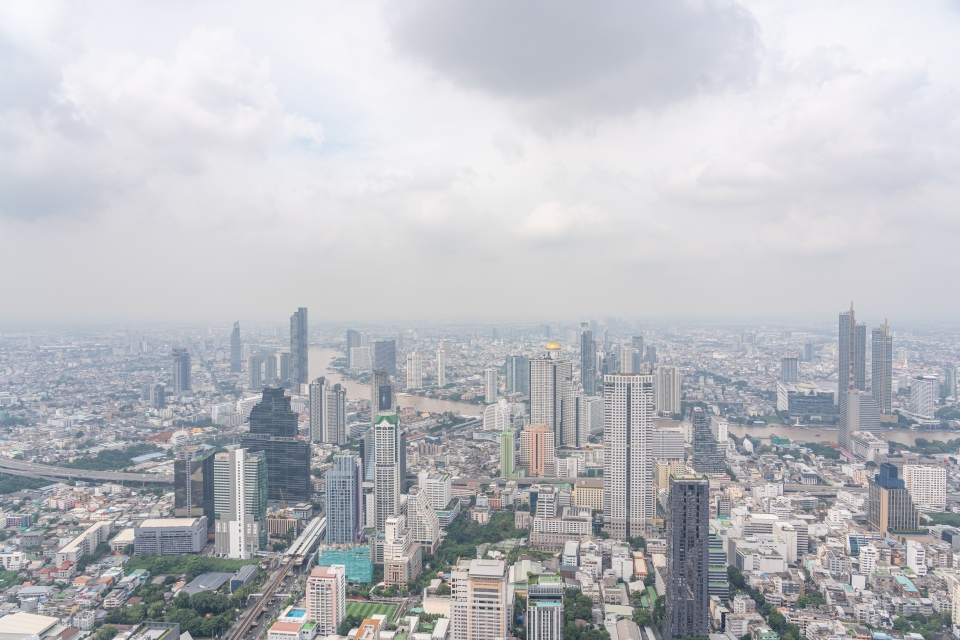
[359, 567]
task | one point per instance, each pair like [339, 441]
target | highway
[240, 628]
[44, 471]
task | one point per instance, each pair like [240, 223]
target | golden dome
[553, 346]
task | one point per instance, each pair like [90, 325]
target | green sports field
[367, 609]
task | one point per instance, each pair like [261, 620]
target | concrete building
[490, 384]
[551, 395]
[344, 500]
[889, 506]
[401, 553]
[881, 384]
[805, 400]
[85, 543]
[688, 516]
[414, 370]
[508, 448]
[789, 369]
[240, 501]
[181, 372]
[441, 368]
[328, 412]
[481, 604]
[924, 395]
[235, 349]
[438, 487]
[863, 414]
[170, 536]
[628, 499]
[299, 350]
[381, 393]
[927, 487]
[422, 519]
[326, 598]
[386, 463]
[851, 367]
[544, 619]
[385, 356]
[255, 373]
[668, 390]
[518, 374]
[706, 457]
[537, 450]
[867, 447]
[588, 360]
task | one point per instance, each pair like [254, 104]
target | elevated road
[246, 621]
[47, 472]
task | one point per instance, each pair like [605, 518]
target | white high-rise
[414, 370]
[628, 495]
[927, 487]
[438, 486]
[668, 389]
[441, 368]
[869, 557]
[552, 395]
[328, 412]
[490, 377]
[924, 393]
[327, 598]
[422, 520]
[240, 502]
[481, 603]
[386, 467]
[628, 359]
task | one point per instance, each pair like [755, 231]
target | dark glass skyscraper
[706, 458]
[852, 367]
[518, 374]
[193, 484]
[300, 372]
[588, 360]
[235, 348]
[688, 558]
[273, 430]
[181, 371]
[385, 356]
[344, 518]
[381, 393]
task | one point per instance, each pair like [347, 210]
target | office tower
[481, 606]
[361, 359]
[344, 500]
[272, 371]
[668, 390]
[353, 342]
[328, 412]
[637, 343]
[381, 393]
[386, 467]
[629, 360]
[651, 356]
[518, 374]
[254, 370]
[385, 356]
[284, 372]
[588, 360]
[852, 367]
[628, 496]
[537, 450]
[193, 484]
[789, 369]
[863, 414]
[402, 555]
[808, 352]
[414, 370]
[158, 396]
[273, 430]
[327, 598]
[881, 366]
[438, 486]
[181, 371]
[366, 455]
[299, 346]
[544, 618]
[706, 458]
[551, 394]
[950, 380]
[422, 519]
[688, 557]
[441, 368]
[490, 379]
[667, 444]
[889, 506]
[927, 487]
[507, 451]
[240, 503]
[924, 394]
[235, 348]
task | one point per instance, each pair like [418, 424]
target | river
[320, 361]
[822, 435]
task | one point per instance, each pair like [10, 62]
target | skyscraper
[629, 360]
[508, 447]
[789, 369]
[441, 368]
[273, 430]
[181, 371]
[284, 373]
[386, 465]
[344, 500]
[158, 396]
[327, 598]
[422, 520]
[414, 370]
[551, 395]
[628, 496]
[545, 608]
[253, 369]
[808, 352]
[651, 356]
[706, 458]
[881, 367]
[490, 379]
[481, 606]
[637, 343]
[385, 356]
[537, 450]
[668, 390]
[518, 374]
[688, 558]
[193, 484]
[852, 369]
[889, 506]
[240, 502]
[328, 412]
[299, 346]
[235, 348]
[353, 341]
[272, 370]
[588, 360]
[381, 393]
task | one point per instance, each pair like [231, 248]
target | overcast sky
[487, 159]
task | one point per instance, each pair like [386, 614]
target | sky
[440, 158]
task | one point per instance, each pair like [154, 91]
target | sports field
[367, 609]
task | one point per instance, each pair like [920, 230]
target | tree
[642, 617]
[106, 632]
[443, 590]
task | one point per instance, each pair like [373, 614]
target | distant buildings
[668, 390]
[789, 369]
[490, 379]
[326, 598]
[706, 458]
[235, 349]
[852, 368]
[299, 348]
[881, 366]
[688, 557]
[240, 502]
[386, 462]
[414, 370]
[385, 356]
[552, 393]
[255, 373]
[628, 495]
[924, 394]
[537, 450]
[273, 430]
[508, 447]
[518, 374]
[889, 506]
[481, 606]
[328, 412]
[441, 368]
[354, 341]
[927, 486]
[588, 360]
[381, 393]
[344, 500]
[181, 371]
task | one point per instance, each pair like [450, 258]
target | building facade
[170, 536]
[789, 369]
[385, 356]
[668, 390]
[240, 502]
[537, 450]
[544, 618]
[193, 484]
[414, 370]
[852, 368]
[490, 384]
[518, 374]
[889, 506]
[588, 360]
[508, 448]
[328, 412]
[481, 604]
[299, 348]
[422, 519]
[688, 558]
[274, 430]
[706, 457]
[181, 371]
[552, 395]
[881, 368]
[344, 500]
[927, 486]
[235, 349]
[386, 464]
[327, 598]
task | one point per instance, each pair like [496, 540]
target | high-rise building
[272, 370]
[422, 519]
[588, 360]
[240, 503]
[441, 368]
[518, 374]
[789, 369]
[327, 598]
[637, 343]
[544, 618]
[852, 367]
[256, 374]
[381, 393]
[273, 430]
[808, 352]
[402, 555]
[668, 390]
[508, 447]
[490, 379]
[889, 506]
[284, 373]
[158, 396]
[353, 342]
[386, 465]
[688, 557]
[344, 500]
[950, 380]
[629, 362]
[881, 366]
[924, 394]
[481, 606]
[706, 458]
[385, 356]
[537, 450]
[235, 348]
[628, 496]
[863, 414]
[927, 486]
[414, 370]
[299, 348]
[193, 484]
[651, 357]
[181, 371]
[552, 393]
[328, 412]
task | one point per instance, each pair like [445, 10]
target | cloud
[552, 223]
[565, 59]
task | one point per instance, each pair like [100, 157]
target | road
[44, 471]
[240, 628]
